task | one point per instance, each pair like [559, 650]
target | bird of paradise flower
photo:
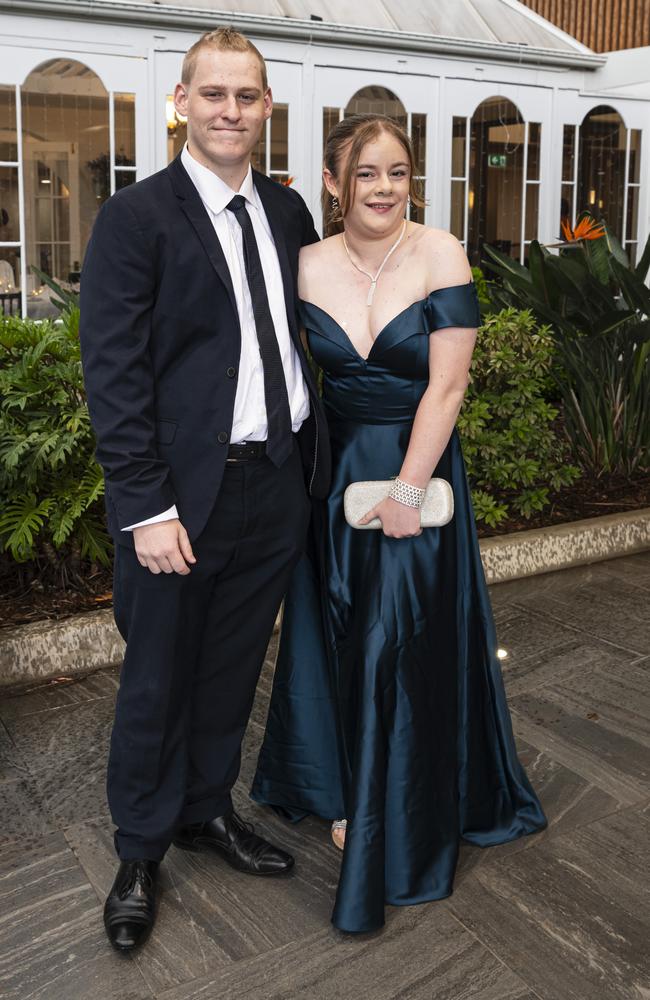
[585, 229]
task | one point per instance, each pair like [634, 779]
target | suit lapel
[272, 207]
[191, 204]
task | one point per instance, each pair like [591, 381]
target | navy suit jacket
[160, 343]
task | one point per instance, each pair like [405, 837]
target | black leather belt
[246, 450]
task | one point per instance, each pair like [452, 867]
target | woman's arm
[450, 355]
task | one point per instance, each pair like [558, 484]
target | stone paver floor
[563, 915]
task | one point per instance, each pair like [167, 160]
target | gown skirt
[388, 706]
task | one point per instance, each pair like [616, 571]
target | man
[208, 427]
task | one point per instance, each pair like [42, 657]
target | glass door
[52, 209]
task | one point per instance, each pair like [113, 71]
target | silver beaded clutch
[359, 498]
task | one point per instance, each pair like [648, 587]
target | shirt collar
[215, 193]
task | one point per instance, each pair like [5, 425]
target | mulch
[24, 600]
[585, 498]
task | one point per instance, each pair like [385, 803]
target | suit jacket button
[222, 437]
[231, 372]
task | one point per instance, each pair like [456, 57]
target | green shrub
[513, 452]
[51, 486]
[599, 309]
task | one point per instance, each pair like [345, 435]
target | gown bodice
[387, 386]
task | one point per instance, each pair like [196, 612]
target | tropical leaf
[20, 523]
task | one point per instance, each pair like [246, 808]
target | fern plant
[50, 484]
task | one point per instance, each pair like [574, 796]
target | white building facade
[515, 124]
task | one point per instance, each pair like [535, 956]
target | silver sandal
[337, 826]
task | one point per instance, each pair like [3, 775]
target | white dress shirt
[249, 417]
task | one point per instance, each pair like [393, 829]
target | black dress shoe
[237, 842]
[130, 908]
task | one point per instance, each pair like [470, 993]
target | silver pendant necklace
[375, 279]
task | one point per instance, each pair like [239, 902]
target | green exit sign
[496, 159]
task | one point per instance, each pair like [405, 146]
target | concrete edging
[89, 641]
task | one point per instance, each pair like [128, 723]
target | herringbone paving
[563, 915]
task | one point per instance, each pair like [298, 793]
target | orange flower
[288, 181]
[587, 229]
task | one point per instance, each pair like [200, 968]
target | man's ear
[268, 103]
[180, 99]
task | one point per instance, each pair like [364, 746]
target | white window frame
[18, 164]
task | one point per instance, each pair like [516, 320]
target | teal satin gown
[388, 705]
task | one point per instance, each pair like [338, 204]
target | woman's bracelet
[410, 496]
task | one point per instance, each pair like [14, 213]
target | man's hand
[164, 547]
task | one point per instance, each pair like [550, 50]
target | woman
[388, 706]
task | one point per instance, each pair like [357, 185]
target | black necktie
[278, 413]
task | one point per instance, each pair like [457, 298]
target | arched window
[604, 177]
[74, 143]
[381, 101]
[495, 179]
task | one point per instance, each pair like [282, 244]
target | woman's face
[381, 187]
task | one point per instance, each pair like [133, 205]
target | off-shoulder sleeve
[453, 306]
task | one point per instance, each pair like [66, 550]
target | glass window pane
[124, 109]
[635, 156]
[457, 220]
[631, 227]
[9, 220]
[330, 119]
[8, 136]
[61, 208]
[419, 140]
[9, 281]
[280, 137]
[43, 219]
[568, 152]
[458, 136]
[258, 156]
[532, 209]
[176, 130]
[123, 178]
[534, 141]
[566, 207]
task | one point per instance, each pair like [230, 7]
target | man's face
[225, 107]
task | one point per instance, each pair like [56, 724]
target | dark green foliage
[50, 484]
[599, 309]
[514, 456]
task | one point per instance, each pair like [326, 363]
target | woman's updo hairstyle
[353, 133]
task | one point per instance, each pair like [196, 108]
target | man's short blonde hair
[221, 40]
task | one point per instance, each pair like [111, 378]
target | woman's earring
[335, 202]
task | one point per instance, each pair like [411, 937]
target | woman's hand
[397, 520]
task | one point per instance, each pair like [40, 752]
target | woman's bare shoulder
[446, 257]
[313, 259]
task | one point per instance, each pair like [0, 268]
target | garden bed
[23, 601]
